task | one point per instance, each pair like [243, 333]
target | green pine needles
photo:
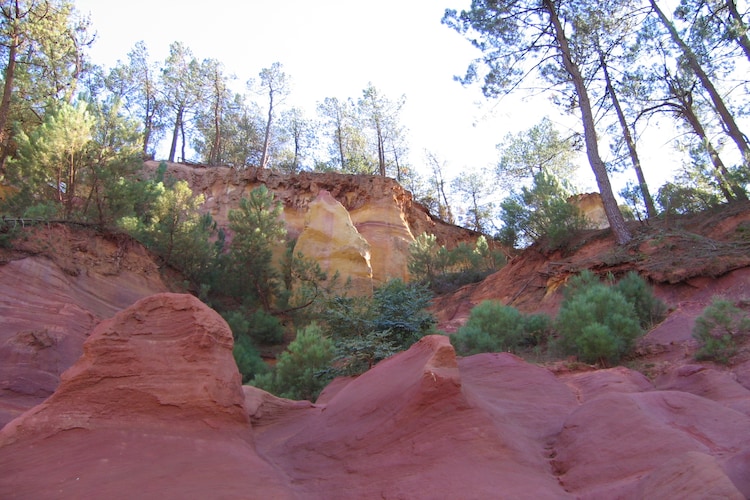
[598, 322]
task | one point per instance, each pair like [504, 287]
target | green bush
[237, 322]
[401, 308]
[368, 330]
[598, 324]
[537, 328]
[245, 354]
[677, 199]
[649, 309]
[492, 327]
[265, 328]
[580, 282]
[248, 360]
[446, 270]
[300, 370]
[540, 212]
[598, 343]
[719, 330]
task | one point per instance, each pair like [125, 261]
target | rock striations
[55, 286]
[154, 409]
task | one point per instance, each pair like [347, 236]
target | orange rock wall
[383, 213]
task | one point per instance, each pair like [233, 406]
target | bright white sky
[333, 48]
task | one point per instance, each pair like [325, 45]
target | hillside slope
[156, 384]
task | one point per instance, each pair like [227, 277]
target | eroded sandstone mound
[153, 409]
[55, 286]
[421, 424]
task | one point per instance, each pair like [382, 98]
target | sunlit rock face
[382, 223]
[592, 208]
[167, 358]
[330, 238]
[384, 214]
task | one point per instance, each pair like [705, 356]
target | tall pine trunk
[175, 133]
[647, 199]
[726, 117]
[611, 209]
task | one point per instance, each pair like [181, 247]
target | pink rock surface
[413, 427]
[591, 384]
[612, 442]
[717, 385]
[154, 409]
[48, 306]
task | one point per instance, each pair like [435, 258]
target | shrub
[356, 355]
[245, 354]
[299, 372]
[649, 309]
[598, 342]
[540, 212]
[579, 283]
[265, 328]
[445, 270]
[237, 322]
[401, 308]
[537, 328]
[249, 362]
[492, 327]
[368, 330]
[598, 324]
[719, 330]
[677, 199]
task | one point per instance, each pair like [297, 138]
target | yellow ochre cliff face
[357, 225]
[330, 236]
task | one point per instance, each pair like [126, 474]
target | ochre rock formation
[332, 240]
[55, 287]
[383, 224]
[384, 213]
[591, 206]
[153, 409]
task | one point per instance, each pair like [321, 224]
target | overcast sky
[334, 48]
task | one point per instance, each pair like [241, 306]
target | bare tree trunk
[10, 71]
[381, 150]
[731, 126]
[647, 199]
[722, 176]
[182, 136]
[614, 216]
[267, 138]
[175, 133]
[742, 38]
[340, 135]
[297, 147]
[213, 155]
